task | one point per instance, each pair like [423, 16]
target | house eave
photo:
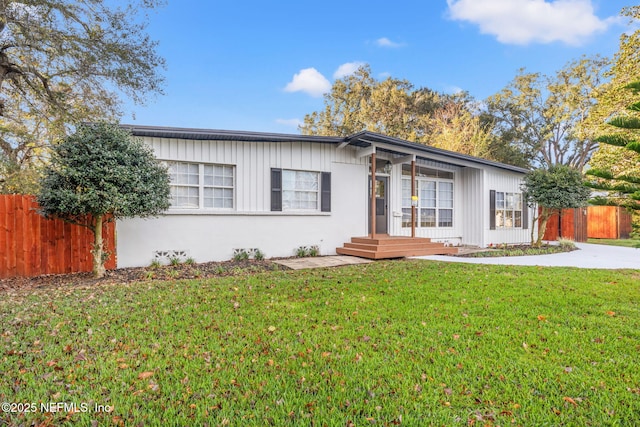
[362, 140]
[365, 139]
[224, 135]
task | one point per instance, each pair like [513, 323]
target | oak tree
[546, 116]
[66, 62]
[394, 107]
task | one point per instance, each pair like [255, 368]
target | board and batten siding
[504, 181]
[213, 235]
[253, 162]
[472, 183]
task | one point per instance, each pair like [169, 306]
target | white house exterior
[274, 192]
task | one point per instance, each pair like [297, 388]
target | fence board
[11, 238]
[609, 222]
[31, 245]
[624, 224]
[569, 224]
[3, 234]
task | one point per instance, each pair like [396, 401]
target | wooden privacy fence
[597, 222]
[609, 222]
[31, 245]
[569, 224]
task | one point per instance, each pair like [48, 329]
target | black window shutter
[276, 190]
[525, 212]
[325, 188]
[492, 209]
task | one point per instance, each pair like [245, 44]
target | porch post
[413, 193]
[373, 196]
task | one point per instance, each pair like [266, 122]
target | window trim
[437, 180]
[201, 186]
[494, 210]
[323, 193]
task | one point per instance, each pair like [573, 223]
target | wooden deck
[385, 246]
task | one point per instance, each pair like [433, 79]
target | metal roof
[224, 135]
[366, 138]
[360, 139]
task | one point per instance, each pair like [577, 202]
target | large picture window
[435, 197]
[201, 186]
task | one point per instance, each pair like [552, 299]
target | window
[300, 190]
[201, 186]
[508, 210]
[435, 197]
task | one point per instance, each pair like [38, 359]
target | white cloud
[294, 123]
[347, 69]
[527, 21]
[453, 89]
[385, 42]
[309, 80]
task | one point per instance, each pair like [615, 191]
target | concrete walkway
[321, 261]
[589, 256]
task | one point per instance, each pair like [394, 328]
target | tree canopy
[101, 173]
[394, 107]
[65, 62]
[553, 189]
[622, 184]
[615, 167]
[546, 116]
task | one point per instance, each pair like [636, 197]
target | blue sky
[261, 66]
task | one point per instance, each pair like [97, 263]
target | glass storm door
[382, 202]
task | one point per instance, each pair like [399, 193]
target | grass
[523, 250]
[390, 343]
[629, 243]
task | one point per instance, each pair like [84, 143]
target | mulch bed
[126, 275]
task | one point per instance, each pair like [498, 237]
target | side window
[202, 186]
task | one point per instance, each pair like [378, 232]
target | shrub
[240, 255]
[566, 244]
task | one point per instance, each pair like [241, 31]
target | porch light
[387, 168]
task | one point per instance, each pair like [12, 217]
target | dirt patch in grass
[126, 275]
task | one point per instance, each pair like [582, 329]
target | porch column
[413, 193]
[373, 196]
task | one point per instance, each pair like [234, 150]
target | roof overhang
[224, 135]
[365, 142]
[400, 147]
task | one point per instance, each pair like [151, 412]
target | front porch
[383, 246]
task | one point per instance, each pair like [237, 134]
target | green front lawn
[390, 343]
[629, 243]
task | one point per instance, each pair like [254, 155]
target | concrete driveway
[589, 256]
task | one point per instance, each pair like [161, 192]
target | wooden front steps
[384, 246]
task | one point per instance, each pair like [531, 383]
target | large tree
[394, 107]
[546, 116]
[621, 184]
[553, 189]
[65, 62]
[98, 174]
[615, 167]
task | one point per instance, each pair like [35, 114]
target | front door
[382, 202]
